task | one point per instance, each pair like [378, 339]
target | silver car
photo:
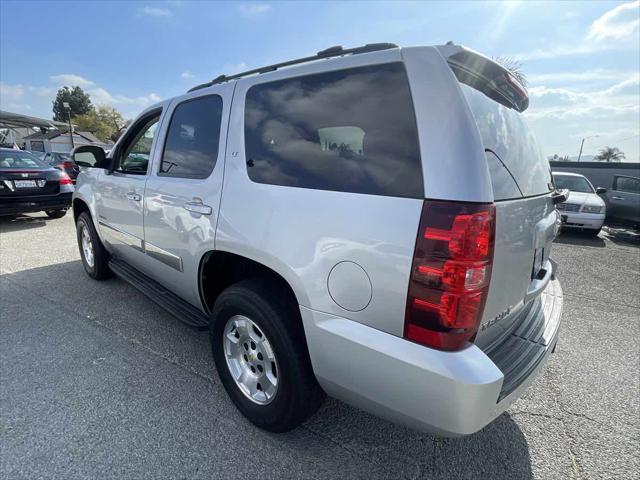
[373, 223]
[584, 209]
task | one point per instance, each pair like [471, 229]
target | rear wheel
[56, 213]
[95, 258]
[261, 356]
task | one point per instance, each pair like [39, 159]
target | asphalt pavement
[96, 381]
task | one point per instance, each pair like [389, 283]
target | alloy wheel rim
[250, 359]
[87, 246]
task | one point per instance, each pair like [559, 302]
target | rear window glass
[505, 132]
[575, 184]
[18, 159]
[351, 131]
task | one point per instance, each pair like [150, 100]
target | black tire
[100, 268]
[298, 394]
[56, 213]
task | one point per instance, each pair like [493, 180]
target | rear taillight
[65, 179]
[450, 274]
[66, 164]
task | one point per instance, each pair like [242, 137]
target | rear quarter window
[350, 130]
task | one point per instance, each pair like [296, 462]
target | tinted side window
[351, 131]
[191, 148]
[627, 184]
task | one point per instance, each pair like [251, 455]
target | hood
[581, 198]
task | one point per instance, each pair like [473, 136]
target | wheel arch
[219, 269]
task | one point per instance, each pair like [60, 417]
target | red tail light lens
[65, 179]
[66, 164]
[451, 273]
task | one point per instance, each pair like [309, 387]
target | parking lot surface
[96, 381]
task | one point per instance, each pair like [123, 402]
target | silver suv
[371, 223]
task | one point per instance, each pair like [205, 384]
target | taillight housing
[65, 179]
[66, 164]
[450, 274]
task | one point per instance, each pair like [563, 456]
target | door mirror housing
[91, 156]
[601, 190]
[559, 196]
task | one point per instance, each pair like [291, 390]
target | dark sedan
[29, 185]
[62, 161]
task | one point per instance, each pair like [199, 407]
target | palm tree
[514, 67]
[610, 154]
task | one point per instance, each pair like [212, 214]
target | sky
[582, 59]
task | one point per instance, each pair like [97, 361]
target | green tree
[104, 122]
[79, 103]
[610, 154]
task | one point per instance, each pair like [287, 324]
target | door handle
[133, 197]
[198, 207]
[617, 198]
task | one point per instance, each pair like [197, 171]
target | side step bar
[173, 304]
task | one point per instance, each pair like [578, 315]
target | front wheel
[56, 213]
[95, 258]
[261, 356]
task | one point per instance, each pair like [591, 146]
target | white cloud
[576, 77]
[11, 91]
[619, 22]
[251, 10]
[187, 74]
[155, 11]
[233, 68]
[100, 96]
[562, 103]
[615, 30]
[70, 79]
[37, 99]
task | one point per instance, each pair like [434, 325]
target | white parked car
[584, 208]
[371, 223]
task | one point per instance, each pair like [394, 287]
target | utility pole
[582, 144]
[68, 108]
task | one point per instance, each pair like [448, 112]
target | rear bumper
[34, 203]
[446, 393]
[582, 220]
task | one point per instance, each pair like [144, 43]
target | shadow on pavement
[339, 440]
[13, 224]
[578, 237]
[622, 235]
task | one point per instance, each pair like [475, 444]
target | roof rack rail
[336, 51]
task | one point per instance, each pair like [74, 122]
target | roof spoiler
[486, 75]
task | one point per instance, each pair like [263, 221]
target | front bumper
[34, 203]
[592, 221]
[446, 393]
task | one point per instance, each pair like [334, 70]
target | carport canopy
[16, 120]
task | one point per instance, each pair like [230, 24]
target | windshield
[17, 159]
[574, 184]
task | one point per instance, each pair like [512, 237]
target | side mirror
[601, 190]
[559, 196]
[91, 156]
